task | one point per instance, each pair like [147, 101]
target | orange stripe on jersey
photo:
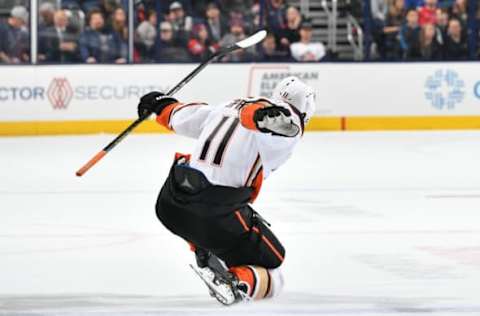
[192, 246]
[164, 117]
[247, 113]
[257, 185]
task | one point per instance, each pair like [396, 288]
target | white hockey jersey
[227, 152]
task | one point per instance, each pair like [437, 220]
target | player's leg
[254, 254]
[238, 237]
[256, 258]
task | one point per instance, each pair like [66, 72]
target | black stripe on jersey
[206, 146]
[253, 171]
[221, 148]
[181, 107]
[235, 103]
[240, 104]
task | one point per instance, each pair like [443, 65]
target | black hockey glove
[276, 120]
[154, 102]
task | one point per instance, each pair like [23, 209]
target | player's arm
[266, 117]
[183, 119]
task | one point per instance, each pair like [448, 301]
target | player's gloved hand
[154, 102]
[276, 120]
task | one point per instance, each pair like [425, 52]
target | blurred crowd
[191, 30]
[14, 37]
[420, 29]
[96, 31]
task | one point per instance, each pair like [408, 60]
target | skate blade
[220, 297]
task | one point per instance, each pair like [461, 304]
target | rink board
[81, 99]
[20, 128]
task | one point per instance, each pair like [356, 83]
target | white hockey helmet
[296, 93]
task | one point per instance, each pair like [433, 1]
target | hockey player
[207, 195]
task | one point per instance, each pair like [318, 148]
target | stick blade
[252, 40]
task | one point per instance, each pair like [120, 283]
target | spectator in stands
[167, 49]
[305, 49]
[182, 24]
[188, 6]
[379, 10]
[59, 42]
[276, 17]
[108, 7]
[459, 10]
[428, 48]
[256, 20]
[120, 29]
[216, 25]
[455, 47]
[146, 35]
[291, 33]
[45, 16]
[76, 17]
[237, 33]
[393, 23]
[396, 14]
[442, 22]
[98, 45]
[14, 38]
[200, 46]
[268, 51]
[428, 13]
[409, 36]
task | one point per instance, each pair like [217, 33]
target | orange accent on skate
[245, 274]
[164, 117]
[192, 246]
[247, 113]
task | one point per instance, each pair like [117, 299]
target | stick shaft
[91, 163]
[172, 91]
[137, 122]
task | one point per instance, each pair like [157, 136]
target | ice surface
[373, 224]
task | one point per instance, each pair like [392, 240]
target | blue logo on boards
[444, 89]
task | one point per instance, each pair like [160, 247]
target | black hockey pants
[217, 218]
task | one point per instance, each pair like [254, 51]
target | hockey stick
[249, 41]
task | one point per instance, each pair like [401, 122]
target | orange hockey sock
[257, 282]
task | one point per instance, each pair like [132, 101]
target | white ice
[373, 224]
